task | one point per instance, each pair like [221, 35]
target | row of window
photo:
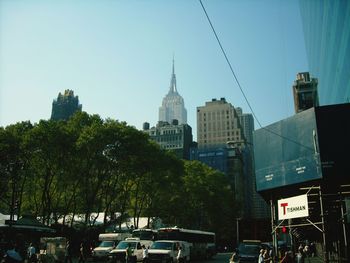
[215, 142]
[219, 133]
[166, 132]
[219, 140]
[219, 115]
[168, 138]
[171, 146]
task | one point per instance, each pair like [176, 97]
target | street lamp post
[237, 229]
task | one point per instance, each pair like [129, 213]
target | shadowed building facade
[172, 136]
[65, 105]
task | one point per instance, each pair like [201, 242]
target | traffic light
[284, 229]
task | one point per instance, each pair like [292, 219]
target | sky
[117, 56]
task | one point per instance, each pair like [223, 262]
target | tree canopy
[85, 165]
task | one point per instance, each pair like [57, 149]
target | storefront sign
[293, 207]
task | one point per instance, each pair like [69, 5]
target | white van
[119, 253]
[165, 251]
[108, 242]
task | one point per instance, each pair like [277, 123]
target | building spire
[173, 79]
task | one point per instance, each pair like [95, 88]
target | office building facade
[258, 208]
[246, 121]
[218, 124]
[305, 92]
[174, 137]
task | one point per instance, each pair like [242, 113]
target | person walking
[68, 253]
[235, 257]
[81, 253]
[179, 255]
[287, 257]
[301, 255]
[144, 254]
[266, 256]
[261, 256]
[31, 253]
[128, 254]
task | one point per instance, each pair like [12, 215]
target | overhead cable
[241, 89]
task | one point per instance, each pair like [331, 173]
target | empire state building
[173, 106]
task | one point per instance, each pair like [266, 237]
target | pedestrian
[287, 257]
[312, 249]
[179, 255]
[68, 253]
[261, 256]
[235, 257]
[31, 253]
[128, 254]
[81, 253]
[266, 256]
[144, 254]
[300, 255]
[307, 253]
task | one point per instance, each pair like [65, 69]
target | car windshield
[107, 244]
[162, 245]
[124, 245]
[249, 249]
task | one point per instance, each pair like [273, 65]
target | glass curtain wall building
[326, 26]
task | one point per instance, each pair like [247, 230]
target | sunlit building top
[173, 105]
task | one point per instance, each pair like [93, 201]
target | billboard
[293, 207]
[286, 152]
[310, 145]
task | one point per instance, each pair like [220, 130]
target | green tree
[210, 200]
[13, 165]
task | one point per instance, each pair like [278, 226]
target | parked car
[108, 243]
[165, 251]
[119, 253]
[249, 250]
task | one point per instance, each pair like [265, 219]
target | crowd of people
[302, 255]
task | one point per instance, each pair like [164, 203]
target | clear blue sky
[117, 55]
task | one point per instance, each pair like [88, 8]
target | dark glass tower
[327, 40]
[65, 106]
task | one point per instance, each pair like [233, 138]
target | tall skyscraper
[218, 124]
[65, 106]
[246, 121]
[257, 206]
[173, 106]
[305, 92]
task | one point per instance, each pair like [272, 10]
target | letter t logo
[284, 205]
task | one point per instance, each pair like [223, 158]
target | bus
[202, 243]
[145, 234]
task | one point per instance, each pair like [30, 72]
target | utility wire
[241, 89]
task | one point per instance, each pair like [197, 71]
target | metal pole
[344, 229]
[274, 241]
[237, 227]
[290, 234]
[325, 251]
